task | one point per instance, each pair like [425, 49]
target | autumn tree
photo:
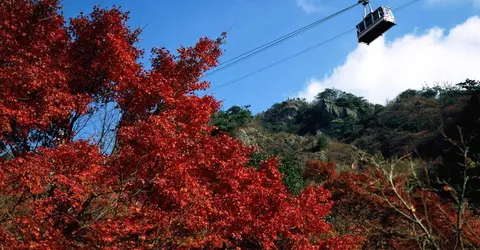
[166, 183]
[394, 209]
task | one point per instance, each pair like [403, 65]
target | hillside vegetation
[427, 139]
[412, 122]
[164, 168]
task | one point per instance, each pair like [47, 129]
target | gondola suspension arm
[365, 3]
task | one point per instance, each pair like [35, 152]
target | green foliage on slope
[231, 120]
[402, 125]
[337, 125]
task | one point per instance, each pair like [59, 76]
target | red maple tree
[394, 210]
[168, 183]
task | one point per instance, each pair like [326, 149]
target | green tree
[231, 120]
[322, 143]
[292, 174]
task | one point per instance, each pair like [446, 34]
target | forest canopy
[165, 168]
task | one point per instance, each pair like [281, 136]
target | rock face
[283, 116]
[329, 109]
[332, 111]
[291, 129]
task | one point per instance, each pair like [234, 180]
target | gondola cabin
[375, 24]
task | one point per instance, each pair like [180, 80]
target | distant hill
[405, 123]
[338, 126]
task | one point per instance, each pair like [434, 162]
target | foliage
[282, 117]
[257, 158]
[342, 154]
[292, 175]
[235, 117]
[288, 166]
[170, 180]
[394, 204]
[319, 172]
[457, 152]
[168, 183]
[322, 143]
[395, 211]
[470, 85]
[292, 150]
[406, 123]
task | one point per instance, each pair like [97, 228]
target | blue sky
[253, 23]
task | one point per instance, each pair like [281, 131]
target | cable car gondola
[375, 23]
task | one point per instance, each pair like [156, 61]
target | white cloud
[309, 6]
[384, 69]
